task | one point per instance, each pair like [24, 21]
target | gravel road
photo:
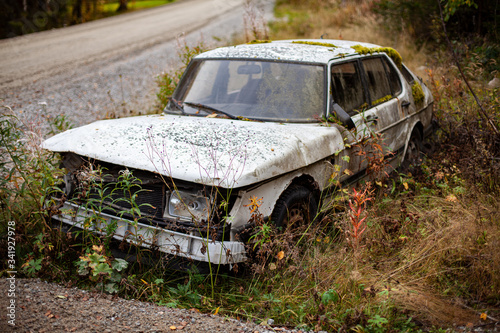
[47, 307]
[108, 67]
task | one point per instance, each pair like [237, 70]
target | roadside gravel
[48, 307]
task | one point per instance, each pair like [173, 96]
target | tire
[296, 207]
[413, 154]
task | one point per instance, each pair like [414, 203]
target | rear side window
[377, 79]
[394, 80]
[406, 73]
[347, 88]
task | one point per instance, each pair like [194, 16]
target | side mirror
[344, 118]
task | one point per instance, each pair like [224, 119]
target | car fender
[270, 192]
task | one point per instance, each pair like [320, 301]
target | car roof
[298, 50]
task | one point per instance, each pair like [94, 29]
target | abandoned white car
[268, 121]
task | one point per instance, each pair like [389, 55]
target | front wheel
[295, 208]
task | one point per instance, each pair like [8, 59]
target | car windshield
[262, 90]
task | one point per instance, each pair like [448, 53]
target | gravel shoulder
[48, 307]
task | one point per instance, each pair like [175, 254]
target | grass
[111, 7]
[428, 259]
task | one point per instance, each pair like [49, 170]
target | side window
[347, 89]
[378, 82]
[393, 78]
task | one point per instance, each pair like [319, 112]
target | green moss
[381, 100]
[314, 43]
[392, 53]
[362, 107]
[259, 41]
[418, 94]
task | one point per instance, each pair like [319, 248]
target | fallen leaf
[217, 310]
[61, 296]
[484, 316]
[281, 255]
[451, 198]
[173, 328]
[97, 248]
[405, 184]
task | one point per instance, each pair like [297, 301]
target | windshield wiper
[177, 104]
[209, 108]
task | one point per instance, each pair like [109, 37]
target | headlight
[188, 206]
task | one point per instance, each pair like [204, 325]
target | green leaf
[119, 264]
[102, 268]
[111, 288]
[330, 296]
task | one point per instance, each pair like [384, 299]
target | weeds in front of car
[167, 81]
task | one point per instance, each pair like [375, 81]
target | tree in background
[123, 6]
[19, 17]
[463, 18]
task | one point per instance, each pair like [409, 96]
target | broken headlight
[188, 206]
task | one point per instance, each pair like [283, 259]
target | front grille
[150, 199]
[103, 192]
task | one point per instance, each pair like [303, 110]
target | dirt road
[104, 67]
[35, 56]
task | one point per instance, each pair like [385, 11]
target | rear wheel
[295, 208]
[413, 155]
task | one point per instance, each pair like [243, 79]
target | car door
[349, 93]
[383, 113]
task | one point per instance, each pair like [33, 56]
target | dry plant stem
[482, 113]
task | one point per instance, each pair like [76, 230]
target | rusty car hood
[211, 151]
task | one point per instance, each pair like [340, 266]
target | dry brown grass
[354, 20]
[438, 249]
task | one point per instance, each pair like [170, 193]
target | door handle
[405, 104]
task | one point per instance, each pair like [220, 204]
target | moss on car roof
[311, 51]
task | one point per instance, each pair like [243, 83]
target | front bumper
[167, 241]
